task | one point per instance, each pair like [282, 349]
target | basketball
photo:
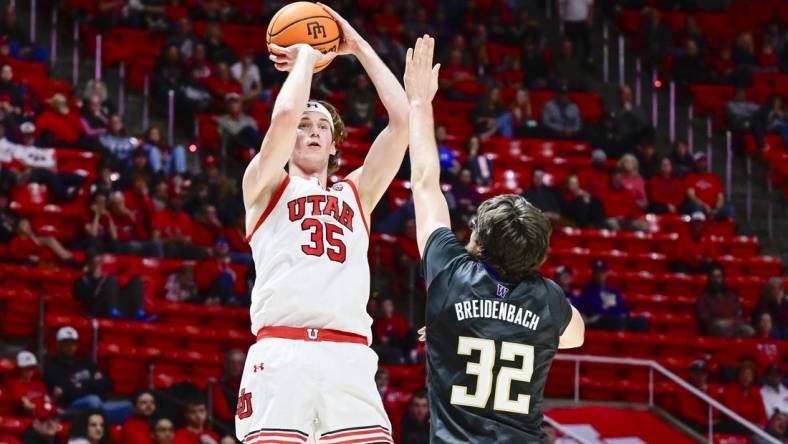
[304, 22]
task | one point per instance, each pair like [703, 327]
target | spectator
[744, 398]
[621, 209]
[690, 408]
[705, 191]
[632, 124]
[450, 166]
[89, 428]
[132, 234]
[360, 103]
[192, 96]
[59, 124]
[456, 71]
[665, 190]
[225, 391]
[465, 194]
[776, 427]
[743, 53]
[77, 383]
[138, 200]
[11, 97]
[45, 426]
[183, 39]
[391, 324]
[595, 179]
[683, 162]
[564, 277]
[546, 198]
[772, 301]
[568, 69]
[163, 158]
[694, 253]
[196, 430]
[523, 121]
[604, 306]
[163, 432]
[393, 399]
[180, 286]
[27, 387]
[719, 310]
[773, 392]
[632, 181]
[199, 63]
[764, 328]
[246, 72]
[99, 88]
[534, 66]
[490, 115]
[207, 226]
[656, 37]
[21, 46]
[168, 72]
[773, 119]
[215, 276]
[94, 120]
[137, 429]
[767, 59]
[416, 422]
[238, 130]
[580, 207]
[578, 17]
[139, 166]
[689, 67]
[99, 228]
[172, 229]
[740, 112]
[101, 295]
[216, 49]
[605, 136]
[481, 166]
[29, 247]
[561, 116]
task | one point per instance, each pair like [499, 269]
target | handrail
[566, 430]
[672, 376]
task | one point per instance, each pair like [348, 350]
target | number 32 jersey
[310, 254]
[489, 347]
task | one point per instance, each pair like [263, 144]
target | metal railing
[653, 365]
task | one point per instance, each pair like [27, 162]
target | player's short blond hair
[339, 135]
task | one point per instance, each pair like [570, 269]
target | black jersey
[489, 347]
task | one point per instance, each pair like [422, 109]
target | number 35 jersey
[489, 347]
[310, 255]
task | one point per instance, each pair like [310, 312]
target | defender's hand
[421, 78]
[285, 58]
[350, 40]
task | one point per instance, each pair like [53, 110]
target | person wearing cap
[744, 397]
[27, 134]
[560, 115]
[719, 310]
[691, 409]
[59, 124]
[237, 129]
[216, 277]
[604, 307]
[773, 392]
[137, 429]
[695, 252]
[101, 295]
[705, 191]
[27, 386]
[621, 209]
[45, 426]
[77, 383]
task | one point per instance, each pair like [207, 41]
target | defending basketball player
[310, 376]
[493, 322]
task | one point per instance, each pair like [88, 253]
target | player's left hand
[350, 41]
[421, 78]
[423, 334]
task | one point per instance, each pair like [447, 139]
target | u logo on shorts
[312, 333]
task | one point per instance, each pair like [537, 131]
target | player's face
[314, 142]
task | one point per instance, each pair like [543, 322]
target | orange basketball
[304, 22]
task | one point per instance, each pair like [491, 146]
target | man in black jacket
[416, 422]
[45, 425]
[78, 383]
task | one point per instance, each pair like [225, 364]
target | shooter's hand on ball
[351, 40]
[285, 58]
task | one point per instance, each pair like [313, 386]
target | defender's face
[314, 142]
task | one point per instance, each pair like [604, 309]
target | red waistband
[310, 335]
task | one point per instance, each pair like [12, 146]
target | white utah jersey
[310, 255]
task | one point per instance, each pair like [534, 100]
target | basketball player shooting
[310, 376]
[493, 323]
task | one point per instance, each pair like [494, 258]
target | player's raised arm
[387, 151]
[266, 169]
[421, 84]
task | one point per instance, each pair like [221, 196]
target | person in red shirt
[225, 392]
[705, 191]
[207, 226]
[172, 228]
[391, 324]
[665, 190]
[621, 210]
[595, 179]
[744, 398]
[60, 125]
[163, 431]
[196, 430]
[136, 429]
[28, 387]
[98, 226]
[30, 247]
[222, 83]
[693, 410]
[394, 399]
[217, 277]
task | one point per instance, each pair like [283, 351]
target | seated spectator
[606, 137]
[11, 95]
[215, 276]
[29, 247]
[89, 428]
[689, 67]
[139, 166]
[196, 430]
[360, 103]
[416, 422]
[132, 233]
[215, 47]
[222, 83]
[719, 310]
[246, 72]
[705, 191]
[656, 36]
[21, 45]
[772, 301]
[595, 179]
[632, 181]
[563, 277]
[454, 71]
[168, 72]
[604, 306]
[580, 207]
[45, 426]
[773, 118]
[102, 296]
[621, 209]
[207, 226]
[180, 287]
[743, 53]
[137, 429]
[172, 229]
[534, 66]
[693, 253]
[632, 124]
[524, 123]
[98, 88]
[237, 129]
[773, 392]
[94, 121]
[183, 38]
[648, 158]
[138, 199]
[78, 384]
[481, 166]
[764, 327]
[490, 115]
[163, 158]
[450, 166]
[225, 391]
[691, 409]
[393, 398]
[163, 432]
[744, 398]
[665, 190]
[776, 427]
[60, 125]
[27, 387]
[465, 194]
[99, 230]
[8, 218]
[391, 324]
[740, 112]
[546, 198]
[683, 162]
[561, 116]
[198, 63]
[192, 97]
[568, 68]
